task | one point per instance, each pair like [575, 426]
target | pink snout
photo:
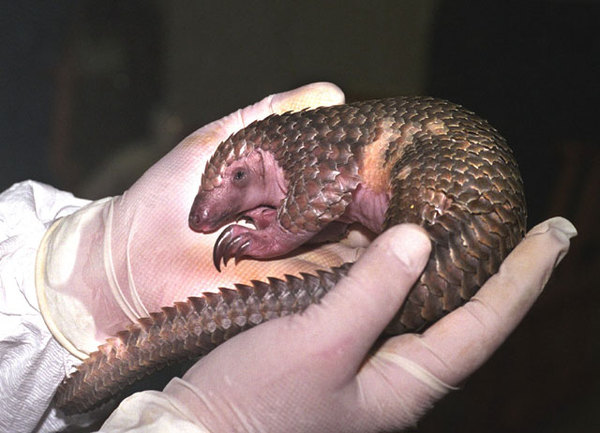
[207, 217]
[200, 219]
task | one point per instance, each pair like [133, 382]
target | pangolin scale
[446, 169]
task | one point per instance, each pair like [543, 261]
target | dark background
[93, 92]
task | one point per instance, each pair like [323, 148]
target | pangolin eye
[239, 175]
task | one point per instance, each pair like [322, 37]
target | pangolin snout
[207, 217]
[195, 222]
[200, 219]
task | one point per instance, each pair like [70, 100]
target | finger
[308, 96]
[203, 141]
[357, 310]
[462, 341]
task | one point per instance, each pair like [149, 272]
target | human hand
[120, 258]
[313, 372]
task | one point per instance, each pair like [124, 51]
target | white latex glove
[120, 258]
[312, 372]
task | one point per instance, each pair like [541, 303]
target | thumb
[360, 306]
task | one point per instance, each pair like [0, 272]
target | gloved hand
[120, 258]
[312, 372]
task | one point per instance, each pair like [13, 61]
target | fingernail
[309, 96]
[561, 229]
[410, 244]
[564, 225]
[560, 224]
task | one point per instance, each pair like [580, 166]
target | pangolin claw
[227, 247]
[222, 240]
[240, 252]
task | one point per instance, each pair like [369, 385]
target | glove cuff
[49, 307]
[72, 284]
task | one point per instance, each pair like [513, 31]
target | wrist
[72, 283]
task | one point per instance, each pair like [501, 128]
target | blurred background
[93, 92]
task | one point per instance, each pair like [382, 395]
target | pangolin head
[237, 146]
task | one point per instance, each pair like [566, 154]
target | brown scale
[445, 169]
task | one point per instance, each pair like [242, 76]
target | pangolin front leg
[266, 241]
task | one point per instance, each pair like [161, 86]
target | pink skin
[367, 207]
[271, 241]
[262, 184]
[253, 187]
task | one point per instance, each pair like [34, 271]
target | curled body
[300, 175]
[379, 163]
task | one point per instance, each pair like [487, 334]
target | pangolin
[301, 175]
